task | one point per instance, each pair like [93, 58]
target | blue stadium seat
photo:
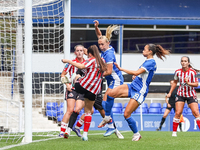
[59, 118]
[154, 110]
[144, 110]
[125, 105]
[96, 111]
[165, 105]
[60, 110]
[163, 110]
[62, 104]
[116, 110]
[172, 111]
[51, 105]
[117, 105]
[144, 105]
[155, 105]
[189, 111]
[51, 113]
[199, 105]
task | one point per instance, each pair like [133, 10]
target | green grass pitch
[151, 140]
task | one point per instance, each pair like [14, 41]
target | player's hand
[169, 95]
[65, 60]
[133, 77]
[117, 66]
[168, 105]
[96, 23]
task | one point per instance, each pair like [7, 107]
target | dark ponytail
[159, 50]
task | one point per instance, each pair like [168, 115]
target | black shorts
[74, 95]
[98, 102]
[188, 99]
[172, 106]
[87, 94]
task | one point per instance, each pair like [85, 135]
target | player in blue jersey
[113, 76]
[138, 89]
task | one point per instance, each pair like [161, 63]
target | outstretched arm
[78, 65]
[131, 72]
[97, 30]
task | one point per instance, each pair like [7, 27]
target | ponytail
[159, 51]
[109, 31]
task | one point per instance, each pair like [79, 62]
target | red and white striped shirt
[93, 76]
[70, 68]
[184, 89]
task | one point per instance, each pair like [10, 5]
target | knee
[178, 114]
[195, 113]
[126, 115]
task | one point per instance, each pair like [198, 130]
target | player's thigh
[88, 105]
[79, 105]
[70, 105]
[120, 91]
[195, 109]
[179, 108]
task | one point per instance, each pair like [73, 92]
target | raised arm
[97, 30]
[131, 72]
[78, 65]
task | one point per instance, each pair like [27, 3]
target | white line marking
[20, 144]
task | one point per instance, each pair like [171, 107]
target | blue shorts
[134, 94]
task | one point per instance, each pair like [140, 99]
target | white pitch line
[20, 144]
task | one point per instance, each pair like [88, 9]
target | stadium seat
[59, 118]
[155, 105]
[154, 110]
[62, 104]
[163, 110]
[172, 111]
[51, 105]
[60, 110]
[165, 105]
[189, 111]
[116, 110]
[199, 105]
[117, 105]
[144, 105]
[144, 110]
[51, 113]
[125, 105]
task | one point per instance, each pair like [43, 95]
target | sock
[72, 119]
[109, 105]
[180, 126]
[111, 124]
[175, 124]
[63, 127]
[85, 134]
[162, 121]
[87, 121]
[132, 124]
[198, 122]
[79, 123]
[104, 105]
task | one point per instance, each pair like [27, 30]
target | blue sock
[111, 115]
[109, 105]
[132, 124]
[104, 105]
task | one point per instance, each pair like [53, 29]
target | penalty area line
[21, 144]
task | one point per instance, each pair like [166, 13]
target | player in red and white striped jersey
[90, 84]
[74, 99]
[187, 77]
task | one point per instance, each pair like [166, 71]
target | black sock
[72, 119]
[180, 126]
[162, 121]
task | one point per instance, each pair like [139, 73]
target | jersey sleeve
[109, 58]
[148, 65]
[176, 75]
[88, 63]
[67, 67]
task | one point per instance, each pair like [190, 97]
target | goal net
[47, 48]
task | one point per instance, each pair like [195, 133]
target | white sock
[85, 134]
[111, 125]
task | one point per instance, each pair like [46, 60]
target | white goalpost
[33, 35]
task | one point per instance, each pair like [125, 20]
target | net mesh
[48, 35]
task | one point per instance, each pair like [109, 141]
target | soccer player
[113, 76]
[73, 98]
[170, 105]
[138, 89]
[90, 84]
[187, 77]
